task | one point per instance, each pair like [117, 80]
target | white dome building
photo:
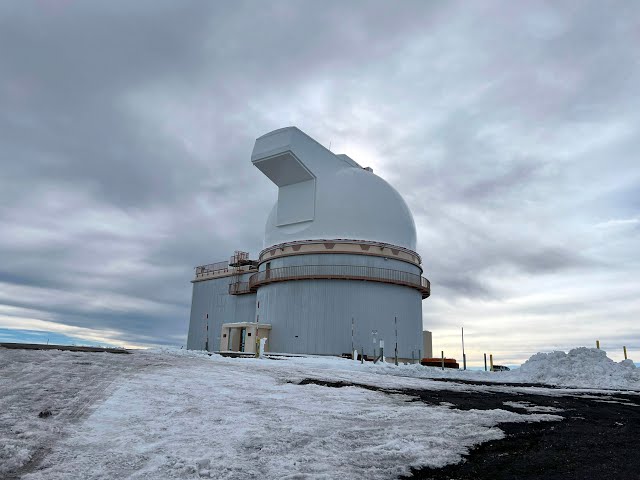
[336, 197]
[339, 268]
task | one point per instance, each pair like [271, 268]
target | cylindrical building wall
[315, 316]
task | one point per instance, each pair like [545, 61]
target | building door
[243, 337]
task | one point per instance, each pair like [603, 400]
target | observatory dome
[324, 196]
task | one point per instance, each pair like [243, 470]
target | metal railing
[239, 288]
[340, 272]
[212, 269]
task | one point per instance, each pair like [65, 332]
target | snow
[240, 423]
[581, 367]
[529, 407]
[584, 368]
[183, 414]
[32, 381]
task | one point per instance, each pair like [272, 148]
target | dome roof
[323, 196]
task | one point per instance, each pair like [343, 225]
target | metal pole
[464, 357]
[352, 334]
[442, 353]
[374, 334]
[625, 352]
[361, 354]
[598, 344]
[491, 361]
[485, 362]
[395, 319]
[419, 356]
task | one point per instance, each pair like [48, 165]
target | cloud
[510, 129]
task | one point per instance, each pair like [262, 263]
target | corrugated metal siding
[212, 297]
[314, 316]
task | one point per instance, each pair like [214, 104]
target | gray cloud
[511, 130]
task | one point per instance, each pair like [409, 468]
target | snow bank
[581, 367]
[586, 368]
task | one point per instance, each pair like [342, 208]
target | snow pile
[581, 367]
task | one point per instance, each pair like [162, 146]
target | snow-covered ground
[177, 414]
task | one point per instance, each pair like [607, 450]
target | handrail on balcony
[340, 272]
[239, 288]
[212, 269]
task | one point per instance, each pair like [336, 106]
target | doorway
[243, 338]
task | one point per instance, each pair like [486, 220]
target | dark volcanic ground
[598, 438]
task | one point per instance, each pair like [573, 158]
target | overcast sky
[510, 128]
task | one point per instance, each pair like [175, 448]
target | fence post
[352, 334]
[464, 357]
[625, 352]
[395, 319]
[491, 361]
[598, 344]
[442, 354]
[485, 362]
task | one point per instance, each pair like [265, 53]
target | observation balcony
[239, 288]
[332, 272]
[218, 268]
